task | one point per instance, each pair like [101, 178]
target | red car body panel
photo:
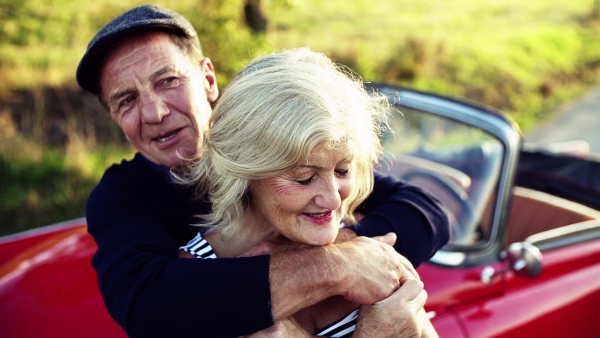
[561, 302]
[567, 291]
[48, 287]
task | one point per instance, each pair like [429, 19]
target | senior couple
[272, 195]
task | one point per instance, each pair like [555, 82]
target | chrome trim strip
[43, 230]
[566, 235]
[448, 258]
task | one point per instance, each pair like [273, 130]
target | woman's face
[305, 204]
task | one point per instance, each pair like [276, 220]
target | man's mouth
[166, 137]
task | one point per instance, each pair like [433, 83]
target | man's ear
[210, 80]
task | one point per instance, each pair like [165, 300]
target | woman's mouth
[321, 217]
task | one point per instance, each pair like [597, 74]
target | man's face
[159, 98]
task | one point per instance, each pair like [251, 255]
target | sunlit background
[523, 57]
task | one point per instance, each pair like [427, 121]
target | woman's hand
[400, 315]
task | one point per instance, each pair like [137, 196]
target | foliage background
[523, 57]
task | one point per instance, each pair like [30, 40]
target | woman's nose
[329, 195]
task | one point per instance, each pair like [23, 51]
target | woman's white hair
[269, 119]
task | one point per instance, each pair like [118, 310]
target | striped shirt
[343, 328]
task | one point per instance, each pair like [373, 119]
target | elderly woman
[288, 159]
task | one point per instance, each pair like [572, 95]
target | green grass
[523, 57]
[45, 186]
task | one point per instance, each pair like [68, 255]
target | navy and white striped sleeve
[199, 247]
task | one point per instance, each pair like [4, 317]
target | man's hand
[363, 270]
[400, 315]
[372, 269]
[390, 239]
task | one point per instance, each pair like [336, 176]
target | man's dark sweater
[139, 218]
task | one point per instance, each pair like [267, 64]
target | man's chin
[172, 162]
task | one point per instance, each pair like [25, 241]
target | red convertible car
[523, 259]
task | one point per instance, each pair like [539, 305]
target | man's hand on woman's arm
[363, 270]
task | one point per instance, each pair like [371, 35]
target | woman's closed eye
[342, 172]
[306, 181]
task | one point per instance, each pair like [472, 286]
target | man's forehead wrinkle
[120, 92]
[131, 67]
[119, 66]
[163, 70]
[174, 64]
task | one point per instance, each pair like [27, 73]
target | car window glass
[457, 163]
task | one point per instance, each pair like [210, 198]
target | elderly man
[147, 69]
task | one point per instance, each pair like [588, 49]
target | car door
[480, 285]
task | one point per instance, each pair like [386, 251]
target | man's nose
[329, 194]
[153, 109]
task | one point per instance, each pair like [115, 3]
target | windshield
[457, 163]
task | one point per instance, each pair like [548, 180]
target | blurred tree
[254, 16]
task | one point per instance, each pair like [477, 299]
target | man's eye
[307, 181]
[168, 80]
[126, 101]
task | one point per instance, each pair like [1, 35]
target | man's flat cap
[134, 20]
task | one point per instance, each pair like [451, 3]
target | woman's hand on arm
[400, 315]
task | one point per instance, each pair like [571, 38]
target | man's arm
[149, 291]
[418, 219]
[363, 270]
[394, 206]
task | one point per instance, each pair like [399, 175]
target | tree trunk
[255, 19]
[596, 9]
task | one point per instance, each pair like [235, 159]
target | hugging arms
[288, 157]
[147, 68]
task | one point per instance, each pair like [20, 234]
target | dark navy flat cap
[134, 20]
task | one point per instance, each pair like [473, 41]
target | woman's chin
[323, 239]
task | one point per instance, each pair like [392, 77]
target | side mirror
[524, 258]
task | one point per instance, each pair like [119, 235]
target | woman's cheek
[346, 188]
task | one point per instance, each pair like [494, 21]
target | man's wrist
[304, 277]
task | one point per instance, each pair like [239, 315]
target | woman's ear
[210, 80]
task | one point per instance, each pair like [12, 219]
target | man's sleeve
[150, 292]
[419, 220]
